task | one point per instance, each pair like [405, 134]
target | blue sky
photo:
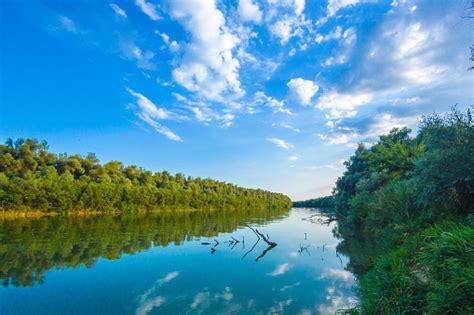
[271, 94]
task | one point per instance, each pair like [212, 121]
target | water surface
[189, 263]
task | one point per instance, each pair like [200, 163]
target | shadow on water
[31, 247]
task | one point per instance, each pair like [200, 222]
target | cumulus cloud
[172, 45]
[118, 10]
[149, 9]
[302, 90]
[336, 5]
[208, 66]
[280, 143]
[149, 113]
[249, 11]
[260, 98]
[340, 139]
[283, 29]
[293, 158]
[285, 20]
[343, 105]
[296, 5]
[406, 56]
[349, 38]
[205, 114]
[334, 34]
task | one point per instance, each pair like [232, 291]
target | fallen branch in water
[266, 239]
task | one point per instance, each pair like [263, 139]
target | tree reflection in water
[31, 247]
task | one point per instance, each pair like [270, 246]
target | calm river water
[191, 263]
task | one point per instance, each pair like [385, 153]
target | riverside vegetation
[405, 212]
[33, 179]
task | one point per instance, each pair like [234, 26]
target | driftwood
[319, 218]
[266, 239]
[260, 236]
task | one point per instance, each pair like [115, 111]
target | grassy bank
[405, 212]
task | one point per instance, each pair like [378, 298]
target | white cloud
[336, 5]
[206, 114]
[173, 45]
[208, 66]
[149, 9]
[280, 270]
[299, 6]
[345, 46]
[384, 123]
[334, 34]
[118, 10]
[342, 105]
[290, 127]
[280, 143]
[249, 11]
[293, 158]
[302, 90]
[68, 24]
[283, 29]
[143, 58]
[150, 114]
[260, 98]
[296, 5]
[149, 107]
[339, 139]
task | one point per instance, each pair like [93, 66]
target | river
[189, 263]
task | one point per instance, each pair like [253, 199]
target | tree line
[323, 203]
[34, 179]
[405, 212]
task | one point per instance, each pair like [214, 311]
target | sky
[267, 94]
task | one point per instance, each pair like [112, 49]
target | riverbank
[405, 212]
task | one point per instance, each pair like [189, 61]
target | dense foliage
[322, 202]
[405, 211]
[32, 178]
